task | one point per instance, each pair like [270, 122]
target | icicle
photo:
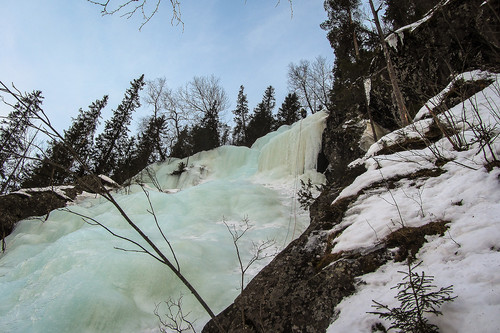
[294, 151]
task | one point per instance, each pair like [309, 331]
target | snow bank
[466, 195]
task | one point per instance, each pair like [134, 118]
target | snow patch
[58, 190]
[467, 256]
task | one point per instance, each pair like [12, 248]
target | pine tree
[353, 46]
[15, 142]
[57, 165]
[262, 120]
[183, 147]
[289, 111]
[240, 119]
[206, 134]
[111, 145]
[399, 13]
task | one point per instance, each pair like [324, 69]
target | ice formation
[65, 275]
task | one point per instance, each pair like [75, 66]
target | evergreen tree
[224, 134]
[289, 111]
[58, 165]
[81, 134]
[353, 46]
[143, 151]
[15, 142]
[125, 162]
[240, 119]
[183, 147]
[112, 144]
[262, 121]
[399, 13]
[205, 135]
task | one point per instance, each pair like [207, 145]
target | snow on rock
[466, 76]
[464, 194]
[58, 190]
[108, 181]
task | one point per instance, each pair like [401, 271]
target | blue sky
[74, 55]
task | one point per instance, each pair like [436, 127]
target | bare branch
[128, 8]
[152, 212]
[176, 320]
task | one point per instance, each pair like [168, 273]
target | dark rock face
[37, 202]
[294, 293]
[341, 144]
[15, 207]
[299, 290]
[461, 36]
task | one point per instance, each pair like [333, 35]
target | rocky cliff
[453, 38]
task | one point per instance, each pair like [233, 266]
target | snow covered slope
[64, 275]
[463, 193]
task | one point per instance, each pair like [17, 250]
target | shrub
[417, 297]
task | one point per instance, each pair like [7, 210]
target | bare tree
[322, 79]
[177, 115]
[173, 318]
[204, 95]
[311, 82]
[168, 103]
[260, 251]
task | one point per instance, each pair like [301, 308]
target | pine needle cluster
[418, 297]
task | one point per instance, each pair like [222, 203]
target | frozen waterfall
[64, 275]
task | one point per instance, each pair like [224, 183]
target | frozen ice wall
[295, 150]
[64, 275]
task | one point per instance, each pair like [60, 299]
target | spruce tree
[112, 144]
[289, 112]
[399, 13]
[206, 134]
[262, 121]
[124, 167]
[353, 45]
[240, 119]
[81, 135]
[183, 147]
[143, 151]
[15, 142]
[57, 165]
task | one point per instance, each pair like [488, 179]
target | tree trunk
[367, 92]
[403, 112]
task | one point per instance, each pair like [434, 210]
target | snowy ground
[64, 275]
[466, 194]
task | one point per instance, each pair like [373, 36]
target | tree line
[355, 33]
[181, 122]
